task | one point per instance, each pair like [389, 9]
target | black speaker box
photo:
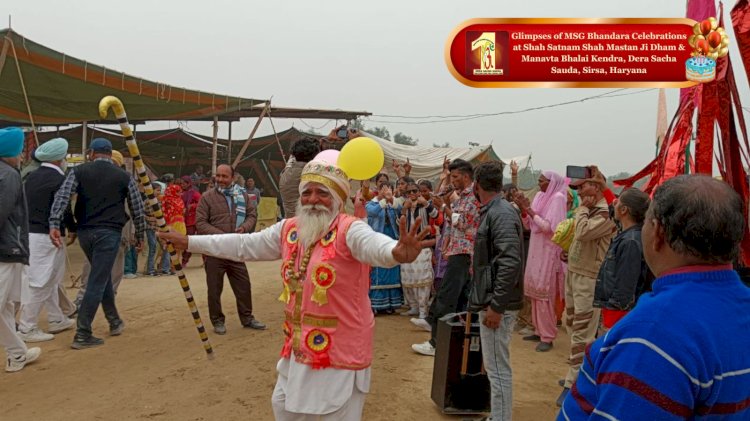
[452, 391]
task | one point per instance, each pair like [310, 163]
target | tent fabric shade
[427, 162]
[61, 89]
[179, 151]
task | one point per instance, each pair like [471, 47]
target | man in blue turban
[14, 248]
[44, 275]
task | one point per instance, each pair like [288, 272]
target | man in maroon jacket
[190, 197]
[222, 210]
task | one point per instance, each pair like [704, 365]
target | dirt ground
[157, 370]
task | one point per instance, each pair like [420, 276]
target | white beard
[313, 222]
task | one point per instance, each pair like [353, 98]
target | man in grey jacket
[497, 284]
[14, 248]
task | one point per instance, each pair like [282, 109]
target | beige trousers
[581, 319]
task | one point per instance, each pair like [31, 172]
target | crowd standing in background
[639, 284]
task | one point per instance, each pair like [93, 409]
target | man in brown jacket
[303, 151]
[593, 233]
[222, 210]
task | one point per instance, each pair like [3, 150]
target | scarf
[237, 194]
[574, 206]
[551, 205]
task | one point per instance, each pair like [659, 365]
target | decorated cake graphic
[709, 43]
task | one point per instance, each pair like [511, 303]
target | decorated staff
[119, 110]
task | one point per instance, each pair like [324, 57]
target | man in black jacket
[14, 248]
[102, 189]
[497, 285]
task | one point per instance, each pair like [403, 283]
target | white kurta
[306, 391]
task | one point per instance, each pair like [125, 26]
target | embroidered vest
[329, 320]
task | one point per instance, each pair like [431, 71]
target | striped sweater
[682, 353]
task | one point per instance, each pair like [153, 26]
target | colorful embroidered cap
[331, 176]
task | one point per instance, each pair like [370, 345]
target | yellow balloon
[691, 40]
[697, 29]
[714, 23]
[361, 158]
[725, 41]
[723, 52]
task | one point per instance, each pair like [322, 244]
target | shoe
[532, 338]
[422, 324]
[130, 276]
[57, 327]
[526, 331]
[35, 335]
[220, 329]
[561, 382]
[16, 364]
[117, 329]
[563, 395]
[255, 324]
[152, 274]
[410, 312]
[90, 342]
[543, 346]
[425, 348]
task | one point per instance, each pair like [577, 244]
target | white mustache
[315, 208]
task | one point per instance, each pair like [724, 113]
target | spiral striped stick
[113, 102]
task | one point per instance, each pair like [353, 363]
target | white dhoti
[416, 279]
[42, 279]
[304, 394]
[10, 293]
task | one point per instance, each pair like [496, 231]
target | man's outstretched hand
[179, 241]
[409, 242]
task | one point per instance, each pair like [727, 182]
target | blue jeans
[100, 245]
[166, 262]
[131, 260]
[496, 358]
[152, 244]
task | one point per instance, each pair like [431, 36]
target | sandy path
[157, 369]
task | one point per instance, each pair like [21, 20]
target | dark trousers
[239, 280]
[451, 296]
[100, 245]
[186, 254]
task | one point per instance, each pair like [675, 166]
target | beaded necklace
[294, 277]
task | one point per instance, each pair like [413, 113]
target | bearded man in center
[325, 366]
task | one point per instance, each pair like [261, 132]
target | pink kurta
[544, 278]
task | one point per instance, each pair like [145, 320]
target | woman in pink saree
[544, 278]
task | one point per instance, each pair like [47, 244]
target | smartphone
[574, 171]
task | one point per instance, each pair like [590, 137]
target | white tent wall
[426, 162]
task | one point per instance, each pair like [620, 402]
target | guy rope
[113, 102]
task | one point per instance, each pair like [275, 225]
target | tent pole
[83, 137]
[213, 152]
[238, 158]
[229, 144]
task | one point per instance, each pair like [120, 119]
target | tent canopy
[427, 162]
[60, 89]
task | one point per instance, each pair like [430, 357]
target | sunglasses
[412, 191]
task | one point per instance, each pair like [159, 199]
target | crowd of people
[644, 285]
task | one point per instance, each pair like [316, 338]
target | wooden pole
[83, 137]
[214, 149]
[229, 143]
[238, 158]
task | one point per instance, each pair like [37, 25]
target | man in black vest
[102, 189]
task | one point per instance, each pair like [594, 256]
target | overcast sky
[384, 56]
